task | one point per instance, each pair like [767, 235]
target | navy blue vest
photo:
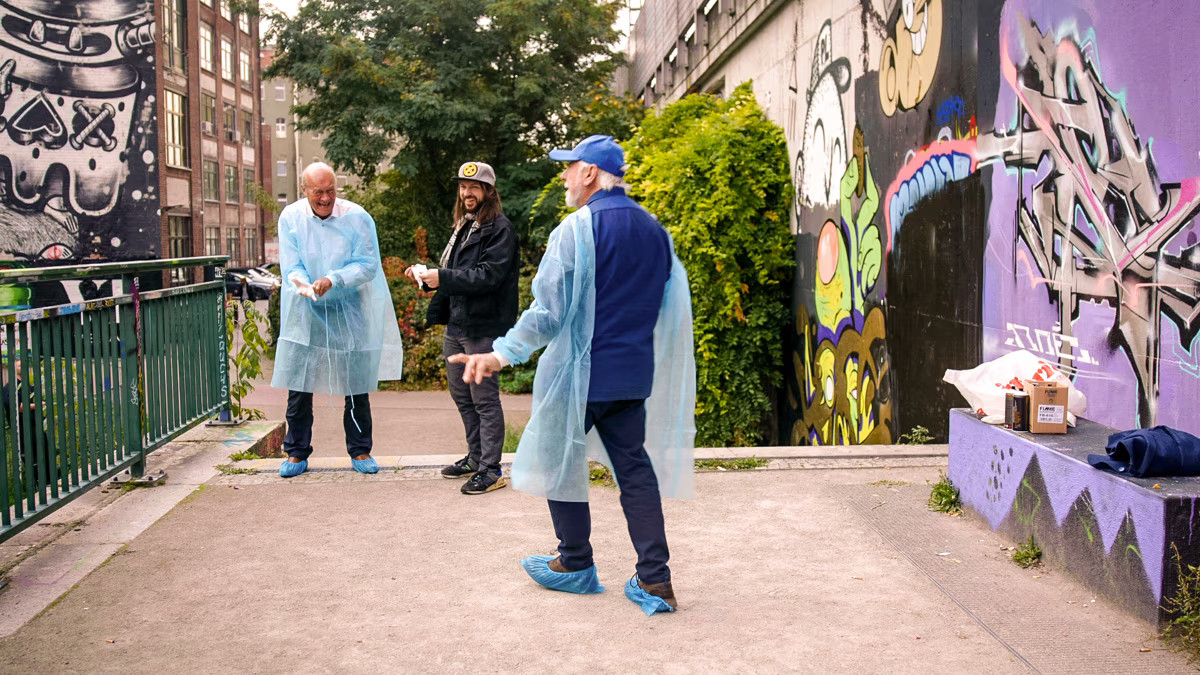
[633, 262]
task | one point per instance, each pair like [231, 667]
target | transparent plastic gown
[552, 457]
[345, 342]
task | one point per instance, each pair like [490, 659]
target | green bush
[715, 173]
[519, 378]
[273, 319]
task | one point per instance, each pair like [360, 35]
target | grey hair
[607, 180]
[313, 168]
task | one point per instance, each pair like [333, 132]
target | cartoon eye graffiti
[910, 12]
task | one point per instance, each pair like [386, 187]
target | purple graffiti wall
[1094, 189]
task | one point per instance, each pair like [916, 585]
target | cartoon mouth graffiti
[909, 60]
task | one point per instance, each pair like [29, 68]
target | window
[282, 200]
[247, 129]
[341, 182]
[175, 34]
[248, 186]
[225, 12]
[231, 246]
[280, 91]
[212, 241]
[280, 128]
[227, 59]
[212, 190]
[231, 184]
[251, 246]
[281, 167]
[208, 113]
[709, 6]
[244, 69]
[244, 22]
[179, 242]
[206, 47]
[177, 130]
[230, 123]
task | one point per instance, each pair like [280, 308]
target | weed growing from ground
[741, 464]
[887, 483]
[229, 469]
[944, 496]
[1184, 608]
[244, 455]
[918, 435]
[1027, 554]
[598, 474]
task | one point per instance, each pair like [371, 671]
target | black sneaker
[461, 469]
[483, 481]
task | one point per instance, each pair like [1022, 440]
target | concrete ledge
[1112, 532]
[397, 462]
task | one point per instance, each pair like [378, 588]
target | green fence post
[226, 414]
[131, 378]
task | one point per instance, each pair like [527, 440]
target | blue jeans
[356, 420]
[622, 428]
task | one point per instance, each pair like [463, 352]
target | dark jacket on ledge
[477, 291]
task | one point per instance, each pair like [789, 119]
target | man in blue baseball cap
[617, 381]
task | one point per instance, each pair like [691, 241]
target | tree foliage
[715, 173]
[410, 89]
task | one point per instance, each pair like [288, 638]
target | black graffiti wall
[978, 177]
[78, 133]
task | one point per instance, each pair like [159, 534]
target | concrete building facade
[971, 178]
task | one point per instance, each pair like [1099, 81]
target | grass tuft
[741, 464]
[1027, 554]
[944, 497]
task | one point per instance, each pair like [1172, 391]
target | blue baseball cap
[602, 151]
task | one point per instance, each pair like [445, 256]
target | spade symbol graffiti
[37, 122]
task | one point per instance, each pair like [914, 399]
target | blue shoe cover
[367, 465]
[650, 604]
[290, 469]
[583, 582]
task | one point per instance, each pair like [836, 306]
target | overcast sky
[289, 7]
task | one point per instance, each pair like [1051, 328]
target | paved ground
[827, 561]
[827, 570]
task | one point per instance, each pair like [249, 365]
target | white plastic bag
[985, 385]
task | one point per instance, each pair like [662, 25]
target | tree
[419, 86]
[715, 173]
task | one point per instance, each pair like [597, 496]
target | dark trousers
[478, 404]
[622, 427]
[356, 420]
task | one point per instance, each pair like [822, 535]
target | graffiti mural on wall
[1094, 218]
[843, 347]
[910, 56]
[822, 155]
[77, 131]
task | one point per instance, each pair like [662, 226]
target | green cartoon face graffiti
[833, 277]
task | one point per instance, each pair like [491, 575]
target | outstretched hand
[478, 366]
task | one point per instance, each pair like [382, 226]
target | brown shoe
[662, 590]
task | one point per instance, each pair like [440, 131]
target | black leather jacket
[477, 290]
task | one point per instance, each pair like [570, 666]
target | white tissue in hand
[418, 270]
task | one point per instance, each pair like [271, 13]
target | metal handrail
[93, 387]
[111, 269]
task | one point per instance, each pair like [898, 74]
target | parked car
[245, 284]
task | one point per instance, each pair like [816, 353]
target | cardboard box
[1047, 407]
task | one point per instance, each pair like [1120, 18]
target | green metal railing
[91, 388]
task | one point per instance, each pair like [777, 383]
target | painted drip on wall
[78, 136]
